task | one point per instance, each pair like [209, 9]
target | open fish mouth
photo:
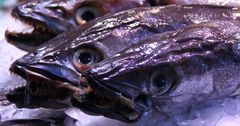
[55, 86]
[104, 100]
[33, 33]
[120, 107]
[40, 90]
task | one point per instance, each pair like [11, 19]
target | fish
[47, 19]
[70, 54]
[110, 34]
[44, 20]
[166, 73]
[169, 72]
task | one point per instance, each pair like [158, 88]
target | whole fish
[46, 19]
[99, 40]
[166, 72]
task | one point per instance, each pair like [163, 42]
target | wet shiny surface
[200, 63]
[188, 122]
[50, 18]
[113, 33]
[60, 53]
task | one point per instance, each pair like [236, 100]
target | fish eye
[160, 83]
[85, 14]
[86, 57]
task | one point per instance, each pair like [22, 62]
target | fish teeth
[25, 28]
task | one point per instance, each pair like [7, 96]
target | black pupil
[85, 58]
[160, 81]
[88, 15]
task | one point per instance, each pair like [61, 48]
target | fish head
[81, 48]
[45, 19]
[169, 72]
[43, 68]
[68, 54]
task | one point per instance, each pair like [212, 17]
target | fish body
[113, 33]
[56, 69]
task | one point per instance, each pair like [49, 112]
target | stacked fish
[136, 63]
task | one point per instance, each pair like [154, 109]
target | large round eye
[160, 83]
[85, 14]
[86, 57]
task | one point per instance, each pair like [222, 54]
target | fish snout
[18, 67]
[103, 100]
[44, 81]
[23, 62]
[50, 71]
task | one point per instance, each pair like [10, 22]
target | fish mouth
[103, 100]
[35, 31]
[54, 86]
[41, 89]
[116, 107]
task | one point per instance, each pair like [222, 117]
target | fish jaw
[44, 86]
[107, 102]
[44, 20]
[42, 29]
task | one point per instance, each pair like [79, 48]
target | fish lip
[58, 91]
[27, 41]
[35, 70]
[121, 108]
[43, 29]
[51, 24]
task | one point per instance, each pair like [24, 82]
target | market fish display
[46, 19]
[99, 41]
[163, 73]
[202, 121]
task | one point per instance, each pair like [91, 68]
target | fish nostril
[25, 60]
